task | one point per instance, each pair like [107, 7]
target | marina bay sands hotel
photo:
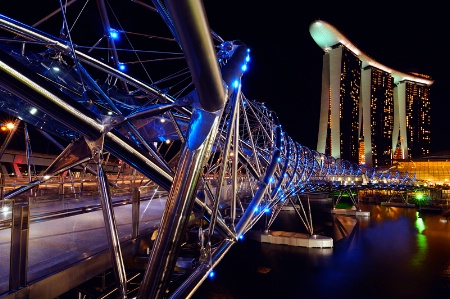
[369, 113]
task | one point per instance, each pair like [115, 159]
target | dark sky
[286, 65]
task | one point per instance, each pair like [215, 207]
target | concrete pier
[350, 212]
[398, 204]
[291, 239]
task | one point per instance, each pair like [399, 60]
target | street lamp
[7, 126]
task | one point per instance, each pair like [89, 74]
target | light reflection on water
[394, 253]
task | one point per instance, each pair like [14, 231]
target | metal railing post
[61, 186]
[19, 245]
[135, 201]
[2, 186]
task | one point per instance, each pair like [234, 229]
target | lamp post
[11, 128]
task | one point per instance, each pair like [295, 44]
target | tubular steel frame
[229, 161]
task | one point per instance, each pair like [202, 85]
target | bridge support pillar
[17, 170]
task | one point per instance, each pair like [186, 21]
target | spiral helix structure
[168, 104]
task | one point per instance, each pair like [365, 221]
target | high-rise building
[412, 99]
[377, 99]
[366, 104]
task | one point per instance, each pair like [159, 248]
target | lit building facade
[412, 99]
[339, 115]
[377, 114]
[366, 104]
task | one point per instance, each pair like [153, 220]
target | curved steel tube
[221, 121]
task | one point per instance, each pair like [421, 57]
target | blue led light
[236, 84]
[244, 68]
[212, 274]
[266, 210]
[122, 67]
[113, 34]
[241, 237]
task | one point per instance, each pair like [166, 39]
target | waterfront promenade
[69, 230]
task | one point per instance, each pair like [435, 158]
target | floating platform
[317, 198]
[350, 212]
[291, 239]
[298, 207]
[290, 208]
[432, 209]
[398, 204]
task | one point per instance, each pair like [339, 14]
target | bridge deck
[57, 244]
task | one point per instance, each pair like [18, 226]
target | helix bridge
[154, 86]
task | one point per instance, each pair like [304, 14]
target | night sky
[286, 64]
[285, 70]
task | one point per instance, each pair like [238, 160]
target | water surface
[394, 253]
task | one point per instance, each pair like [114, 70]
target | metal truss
[176, 114]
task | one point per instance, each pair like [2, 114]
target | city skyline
[288, 63]
[368, 110]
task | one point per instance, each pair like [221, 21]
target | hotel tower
[370, 113]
